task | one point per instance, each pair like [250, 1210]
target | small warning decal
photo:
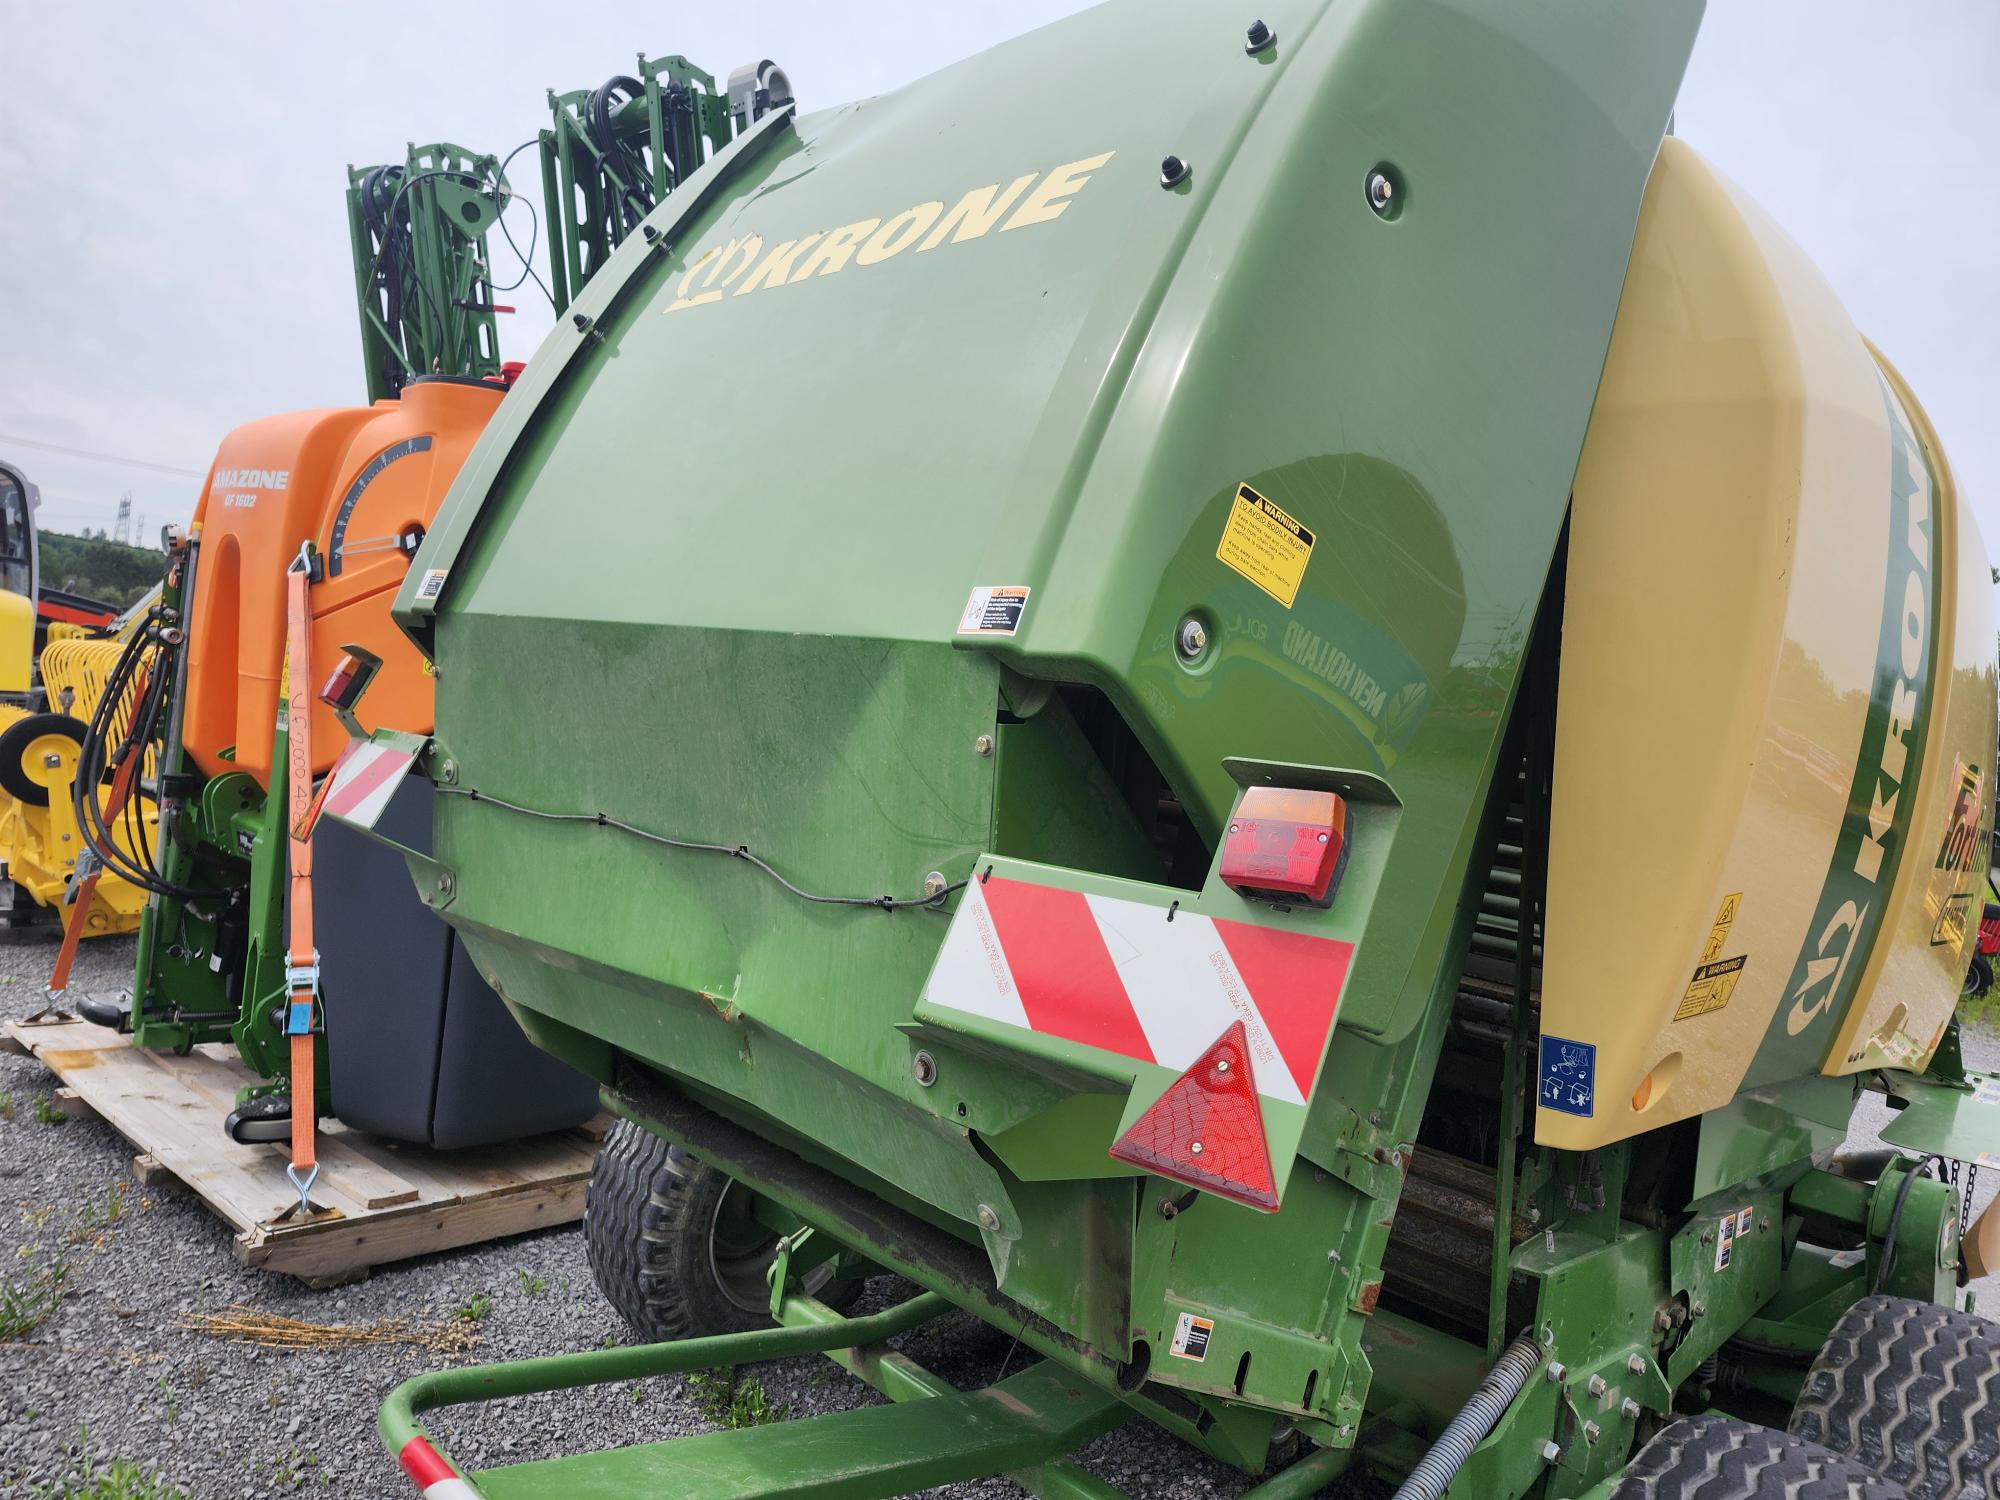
[1568, 1076]
[1265, 545]
[433, 583]
[994, 611]
[1733, 1227]
[1191, 1335]
[1715, 977]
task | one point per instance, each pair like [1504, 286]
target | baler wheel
[1912, 1390]
[1720, 1458]
[674, 1245]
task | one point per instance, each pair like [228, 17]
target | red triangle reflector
[1207, 1129]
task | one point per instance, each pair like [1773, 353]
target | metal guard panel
[1114, 986]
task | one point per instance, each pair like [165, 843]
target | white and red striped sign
[364, 779]
[431, 1474]
[1141, 981]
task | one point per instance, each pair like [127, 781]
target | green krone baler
[1294, 714]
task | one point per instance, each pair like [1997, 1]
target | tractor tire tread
[1912, 1390]
[1721, 1458]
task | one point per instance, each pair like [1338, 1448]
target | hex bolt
[1551, 1451]
[1663, 1321]
[1708, 1236]
[1592, 1432]
[1629, 1409]
[988, 1219]
[983, 745]
[1596, 1386]
[582, 323]
[1192, 638]
[1173, 172]
[924, 1067]
[1381, 192]
[1699, 1310]
[1558, 1372]
[1258, 37]
[1636, 1365]
[935, 884]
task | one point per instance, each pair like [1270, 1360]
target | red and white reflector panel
[364, 779]
[1286, 845]
[1151, 983]
[431, 1474]
[1207, 1129]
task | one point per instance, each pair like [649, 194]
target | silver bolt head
[1558, 1372]
[1222, 1065]
[988, 1219]
[1592, 1432]
[1193, 638]
[1636, 1364]
[1551, 1451]
[983, 745]
[924, 1067]
[1194, 1148]
[448, 771]
[934, 884]
[446, 884]
[1699, 1310]
[1381, 191]
[1630, 1409]
[1597, 1387]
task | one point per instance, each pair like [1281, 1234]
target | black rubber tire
[1720, 1458]
[17, 738]
[650, 1221]
[1912, 1390]
[1978, 976]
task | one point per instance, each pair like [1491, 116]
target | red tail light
[1207, 1129]
[1286, 845]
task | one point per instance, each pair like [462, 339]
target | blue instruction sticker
[1569, 1076]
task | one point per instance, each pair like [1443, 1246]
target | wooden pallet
[387, 1200]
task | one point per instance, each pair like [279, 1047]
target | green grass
[733, 1401]
[47, 1113]
[473, 1309]
[29, 1299]
[116, 1479]
[7, 1106]
[533, 1286]
[99, 1214]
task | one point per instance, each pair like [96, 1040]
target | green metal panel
[1961, 1122]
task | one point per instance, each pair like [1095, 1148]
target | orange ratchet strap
[302, 960]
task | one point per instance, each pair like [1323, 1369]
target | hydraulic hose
[1466, 1431]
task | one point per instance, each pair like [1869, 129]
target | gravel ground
[223, 1420]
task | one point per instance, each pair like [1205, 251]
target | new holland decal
[747, 264]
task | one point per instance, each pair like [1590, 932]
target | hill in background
[99, 568]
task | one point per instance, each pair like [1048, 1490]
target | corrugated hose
[1511, 1371]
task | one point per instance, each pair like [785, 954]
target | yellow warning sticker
[1715, 977]
[1265, 545]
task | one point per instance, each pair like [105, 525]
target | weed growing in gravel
[6, 1106]
[733, 1401]
[534, 1286]
[98, 1215]
[119, 1479]
[292, 1468]
[29, 1300]
[473, 1309]
[47, 1113]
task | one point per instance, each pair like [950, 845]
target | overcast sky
[174, 256]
